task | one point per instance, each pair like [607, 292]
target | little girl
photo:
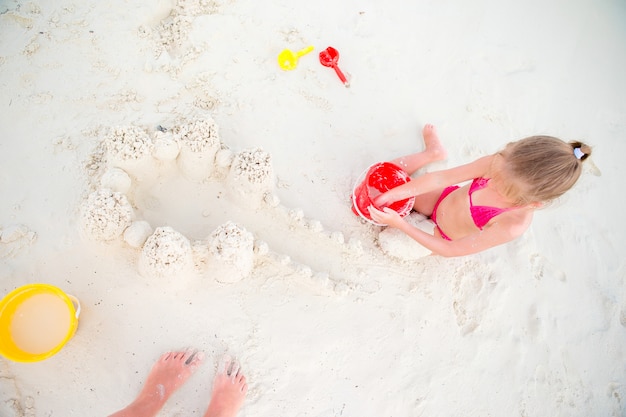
[496, 207]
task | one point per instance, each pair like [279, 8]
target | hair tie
[578, 153]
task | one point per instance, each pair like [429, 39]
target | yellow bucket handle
[76, 303]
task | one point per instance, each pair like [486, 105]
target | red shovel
[329, 58]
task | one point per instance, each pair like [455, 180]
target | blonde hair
[540, 168]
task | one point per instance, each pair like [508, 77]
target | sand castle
[130, 155]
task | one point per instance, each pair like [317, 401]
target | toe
[225, 365]
[234, 373]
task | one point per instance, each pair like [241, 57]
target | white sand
[94, 95]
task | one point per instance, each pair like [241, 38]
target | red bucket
[377, 179]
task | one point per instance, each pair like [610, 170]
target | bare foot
[171, 371]
[229, 390]
[168, 374]
[433, 151]
[432, 143]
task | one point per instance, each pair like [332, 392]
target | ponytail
[580, 150]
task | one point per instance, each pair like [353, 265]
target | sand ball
[137, 233]
[398, 244]
[105, 214]
[128, 143]
[165, 252]
[166, 148]
[232, 250]
[116, 179]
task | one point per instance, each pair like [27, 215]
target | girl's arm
[504, 230]
[437, 180]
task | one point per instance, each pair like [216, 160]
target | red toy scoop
[329, 58]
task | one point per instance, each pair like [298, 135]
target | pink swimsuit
[480, 214]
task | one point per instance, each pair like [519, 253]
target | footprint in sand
[541, 268]
[615, 391]
[622, 316]
[13, 404]
[473, 283]
[171, 34]
[533, 325]
[15, 239]
[561, 385]
[197, 7]
[206, 96]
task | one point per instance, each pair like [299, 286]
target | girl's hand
[382, 200]
[386, 216]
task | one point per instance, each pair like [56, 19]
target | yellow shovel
[288, 60]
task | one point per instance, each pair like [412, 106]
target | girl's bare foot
[433, 151]
[229, 390]
[432, 144]
[168, 374]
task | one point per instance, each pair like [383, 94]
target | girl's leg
[425, 203]
[433, 151]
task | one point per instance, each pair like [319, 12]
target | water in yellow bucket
[48, 315]
[36, 321]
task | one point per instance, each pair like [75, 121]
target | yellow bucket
[36, 321]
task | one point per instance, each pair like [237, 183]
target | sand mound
[253, 166]
[127, 143]
[200, 135]
[166, 252]
[251, 176]
[199, 142]
[232, 249]
[105, 214]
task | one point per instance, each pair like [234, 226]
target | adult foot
[229, 390]
[168, 374]
[171, 371]
[433, 146]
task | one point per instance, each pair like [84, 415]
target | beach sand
[225, 184]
